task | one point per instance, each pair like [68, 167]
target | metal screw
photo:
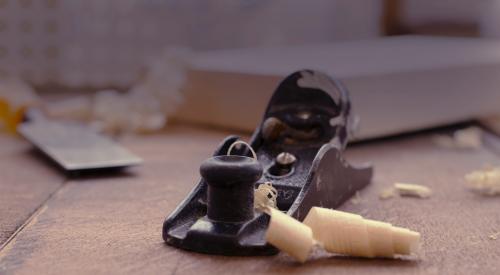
[304, 115]
[285, 159]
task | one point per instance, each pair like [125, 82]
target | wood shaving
[387, 193]
[289, 235]
[357, 199]
[350, 234]
[485, 181]
[494, 236]
[338, 232]
[468, 138]
[412, 190]
[265, 196]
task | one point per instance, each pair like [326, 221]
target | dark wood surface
[107, 224]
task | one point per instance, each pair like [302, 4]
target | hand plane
[298, 147]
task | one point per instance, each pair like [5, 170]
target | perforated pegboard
[109, 42]
[29, 39]
[77, 42]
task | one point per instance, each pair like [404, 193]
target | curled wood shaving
[485, 181]
[289, 235]
[265, 196]
[339, 232]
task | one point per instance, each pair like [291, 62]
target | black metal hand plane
[298, 148]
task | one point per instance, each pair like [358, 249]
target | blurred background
[143, 48]
[104, 43]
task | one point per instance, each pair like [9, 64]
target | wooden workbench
[111, 224]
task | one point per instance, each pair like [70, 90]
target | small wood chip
[412, 190]
[357, 199]
[494, 236]
[387, 193]
[468, 138]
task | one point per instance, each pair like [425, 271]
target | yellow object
[10, 118]
[4, 109]
[289, 235]
[350, 234]
[15, 97]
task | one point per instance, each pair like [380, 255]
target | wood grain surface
[26, 182]
[111, 224]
